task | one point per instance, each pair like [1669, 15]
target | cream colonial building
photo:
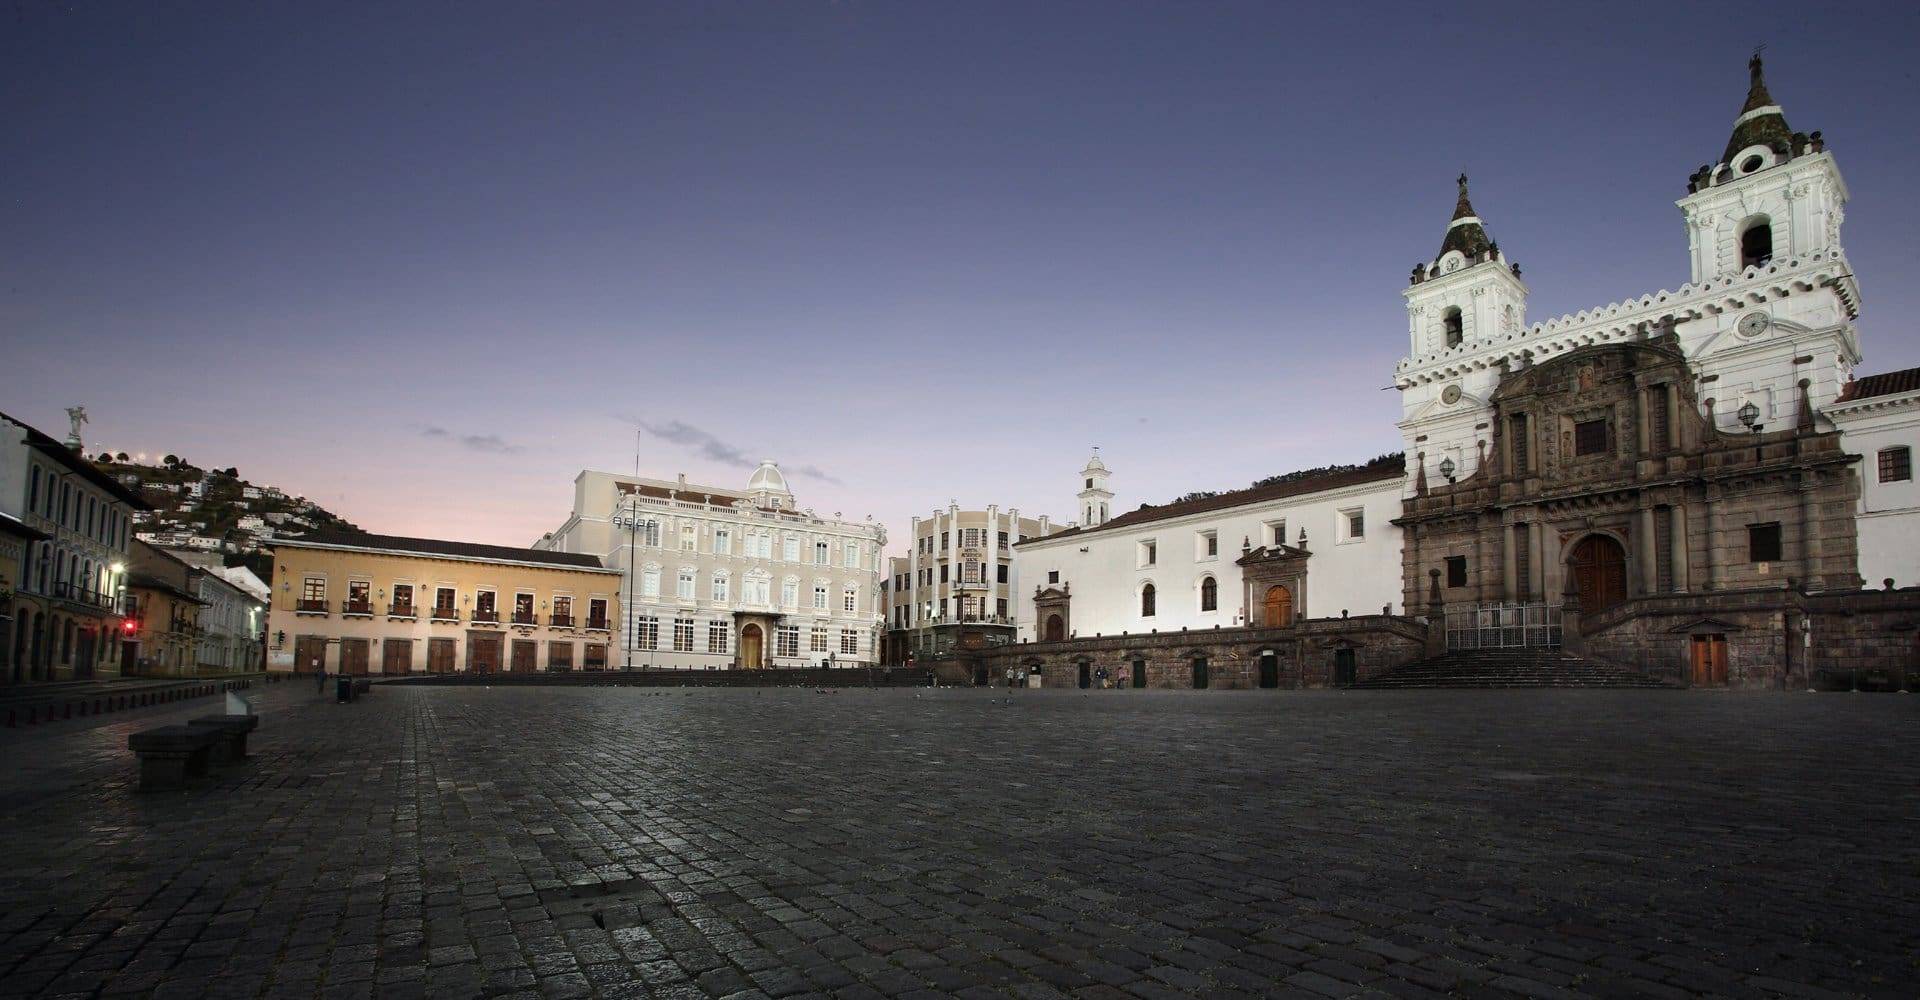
[364, 604]
[720, 577]
[958, 584]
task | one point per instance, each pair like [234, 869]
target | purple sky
[425, 262]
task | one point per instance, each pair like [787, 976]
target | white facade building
[718, 577]
[1879, 420]
[1179, 565]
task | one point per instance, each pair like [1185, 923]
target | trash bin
[343, 689]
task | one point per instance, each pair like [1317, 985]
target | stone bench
[233, 730]
[170, 755]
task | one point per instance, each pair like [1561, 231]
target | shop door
[309, 654]
[353, 657]
[439, 656]
[525, 656]
[483, 653]
[1710, 660]
[1269, 670]
[396, 656]
[1343, 669]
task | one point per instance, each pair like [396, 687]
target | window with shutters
[1590, 437]
[1896, 464]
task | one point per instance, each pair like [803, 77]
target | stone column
[1809, 535]
[1713, 540]
[1642, 432]
[1677, 541]
[1676, 433]
[1537, 566]
[1643, 546]
[1512, 566]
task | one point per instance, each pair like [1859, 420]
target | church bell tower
[1462, 306]
[1096, 501]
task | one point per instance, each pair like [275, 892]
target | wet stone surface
[669, 843]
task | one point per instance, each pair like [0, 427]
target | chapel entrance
[1269, 669]
[1343, 667]
[1086, 674]
[753, 647]
[1279, 612]
[1710, 660]
[1056, 628]
[1599, 568]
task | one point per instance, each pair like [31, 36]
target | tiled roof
[14, 526]
[1379, 470]
[1883, 384]
[442, 547]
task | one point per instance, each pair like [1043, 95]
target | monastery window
[1522, 457]
[1590, 437]
[1896, 464]
[1763, 542]
[849, 641]
[787, 640]
[1756, 242]
[1455, 330]
[1149, 553]
[646, 632]
[820, 597]
[1206, 544]
[650, 582]
[1053, 576]
[717, 637]
[683, 635]
[1456, 571]
[1209, 594]
[1146, 601]
[1276, 533]
[1353, 525]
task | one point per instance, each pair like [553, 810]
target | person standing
[321, 675]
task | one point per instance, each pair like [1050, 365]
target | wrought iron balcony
[486, 615]
[524, 618]
[311, 607]
[598, 625]
[362, 608]
[560, 621]
[400, 611]
[444, 614]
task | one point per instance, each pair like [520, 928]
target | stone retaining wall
[1305, 653]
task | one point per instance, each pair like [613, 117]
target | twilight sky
[425, 262]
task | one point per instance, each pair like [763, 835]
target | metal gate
[1503, 626]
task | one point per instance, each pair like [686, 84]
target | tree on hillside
[171, 460]
[120, 457]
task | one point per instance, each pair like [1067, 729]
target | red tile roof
[1884, 384]
[1380, 469]
[443, 547]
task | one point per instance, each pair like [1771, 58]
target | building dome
[1094, 464]
[767, 478]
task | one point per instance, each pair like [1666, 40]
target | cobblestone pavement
[691, 843]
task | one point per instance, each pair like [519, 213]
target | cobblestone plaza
[688, 843]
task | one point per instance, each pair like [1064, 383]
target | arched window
[1456, 331]
[1146, 601]
[1756, 242]
[1209, 595]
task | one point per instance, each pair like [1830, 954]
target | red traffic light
[129, 625]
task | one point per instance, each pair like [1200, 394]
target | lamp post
[626, 612]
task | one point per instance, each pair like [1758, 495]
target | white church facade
[1704, 446]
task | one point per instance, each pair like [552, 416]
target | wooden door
[483, 654]
[1200, 678]
[439, 656]
[1056, 629]
[1279, 610]
[525, 656]
[309, 654]
[1599, 567]
[559, 655]
[353, 657]
[1086, 674]
[752, 647]
[1710, 660]
[1343, 667]
[396, 656]
[1269, 670]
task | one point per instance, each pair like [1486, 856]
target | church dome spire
[1465, 233]
[1761, 122]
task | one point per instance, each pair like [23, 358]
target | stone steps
[1508, 668]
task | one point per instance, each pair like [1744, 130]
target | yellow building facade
[382, 604]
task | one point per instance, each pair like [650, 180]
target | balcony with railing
[443, 613]
[401, 611]
[76, 594]
[560, 621]
[524, 618]
[311, 606]
[598, 625]
[360, 608]
[486, 615]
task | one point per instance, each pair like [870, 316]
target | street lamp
[1447, 469]
[1750, 415]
